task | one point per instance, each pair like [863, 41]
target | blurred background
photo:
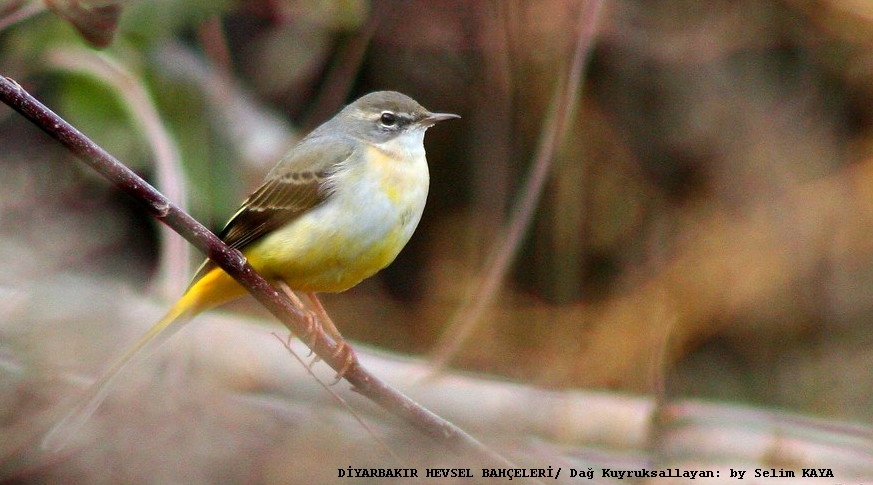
[666, 199]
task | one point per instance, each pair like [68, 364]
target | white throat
[409, 144]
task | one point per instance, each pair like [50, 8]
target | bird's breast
[377, 202]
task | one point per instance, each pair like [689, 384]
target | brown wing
[274, 204]
[294, 186]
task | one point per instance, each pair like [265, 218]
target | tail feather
[209, 290]
[61, 433]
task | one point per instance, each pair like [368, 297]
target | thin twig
[341, 73]
[566, 95]
[234, 263]
[175, 254]
[286, 342]
[22, 13]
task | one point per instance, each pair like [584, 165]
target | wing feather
[298, 183]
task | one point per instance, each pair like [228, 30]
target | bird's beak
[432, 118]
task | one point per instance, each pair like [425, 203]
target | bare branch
[233, 262]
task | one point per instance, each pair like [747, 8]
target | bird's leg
[317, 321]
[325, 320]
[313, 326]
[342, 348]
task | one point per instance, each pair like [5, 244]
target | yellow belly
[335, 265]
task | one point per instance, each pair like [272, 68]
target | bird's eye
[388, 118]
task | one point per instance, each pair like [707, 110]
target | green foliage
[207, 159]
[98, 112]
[158, 20]
[46, 46]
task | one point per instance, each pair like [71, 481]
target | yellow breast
[377, 203]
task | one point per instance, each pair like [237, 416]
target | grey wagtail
[336, 209]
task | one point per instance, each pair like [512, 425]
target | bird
[336, 209]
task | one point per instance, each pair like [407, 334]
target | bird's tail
[180, 314]
[211, 289]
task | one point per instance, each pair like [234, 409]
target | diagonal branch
[233, 262]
